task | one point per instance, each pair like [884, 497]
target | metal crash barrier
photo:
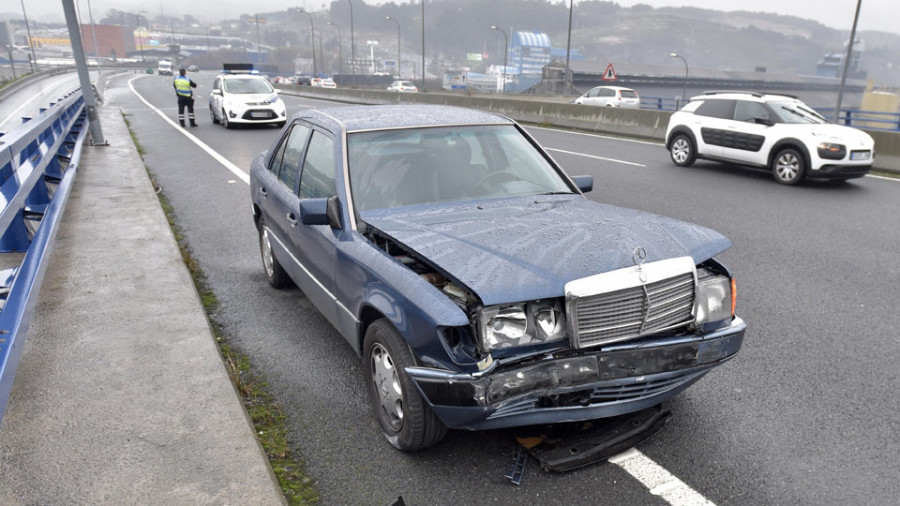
[38, 162]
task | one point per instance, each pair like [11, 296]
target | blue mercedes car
[478, 284]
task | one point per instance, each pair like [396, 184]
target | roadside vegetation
[268, 419]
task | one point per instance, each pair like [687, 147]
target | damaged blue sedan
[478, 284]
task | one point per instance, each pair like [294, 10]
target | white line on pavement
[660, 482]
[595, 157]
[243, 176]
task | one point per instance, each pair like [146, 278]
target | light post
[340, 48]
[568, 51]
[208, 64]
[837, 108]
[312, 40]
[352, 42]
[505, 52]
[423, 46]
[321, 52]
[372, 44]
[12, 64]
[684, 84]
[258, 56]
[28, 31]
[94, 37]
[398, 44]
[137, 22]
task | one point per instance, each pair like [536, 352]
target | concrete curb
[121, 395]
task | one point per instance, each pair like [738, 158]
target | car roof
[613, 88]
[745, 95]
[381, 117]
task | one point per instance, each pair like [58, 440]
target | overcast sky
[875, 14]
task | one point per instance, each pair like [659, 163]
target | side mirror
[277, 91]
[764, 121]
[217, 92]
[584, 183]
[321, 212]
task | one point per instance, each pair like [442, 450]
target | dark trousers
[182, 103]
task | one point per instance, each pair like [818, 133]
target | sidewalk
[120, 396]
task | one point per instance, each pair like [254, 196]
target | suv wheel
[682, 151]
[788, 166]
[405, 419]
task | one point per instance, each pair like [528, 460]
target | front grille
[633, 311]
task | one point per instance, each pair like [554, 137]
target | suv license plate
[862, 155]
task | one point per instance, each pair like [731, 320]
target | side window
[317, 177]
[593, 93]
[749, 111]
[607, 93]
[723, 109]
[286, 162]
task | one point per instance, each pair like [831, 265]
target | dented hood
[526, 248]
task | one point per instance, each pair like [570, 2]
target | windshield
[393, 168]
[796, 112]
[247, 86]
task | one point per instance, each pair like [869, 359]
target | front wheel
[788, 166]
[406, 420]
[227, 124]
[682, 151]
[275, 273]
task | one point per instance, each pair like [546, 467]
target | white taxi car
[246, 99]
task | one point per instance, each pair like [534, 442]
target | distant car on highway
[774, 132]
[403, 87]
[245, 98]
[611, 96]
[193, 68]
[323, 82]
[479, 285]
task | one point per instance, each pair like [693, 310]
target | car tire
[406, 420]
[280, 124]
[212, 116]
[682, 151]
[227, 124]
[788, 166]
[275, 273]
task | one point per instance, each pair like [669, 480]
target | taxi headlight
[523, 324]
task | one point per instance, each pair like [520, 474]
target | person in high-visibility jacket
[183, 85]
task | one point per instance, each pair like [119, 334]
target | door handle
[292, 219]
[263, 192]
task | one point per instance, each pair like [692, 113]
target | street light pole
[340, 48]
[352, 42]
[505, 52]
[28, 31]
[321, 52]
[258, 56]
[399, 76]
[684, 84]
[568, 51]
[137, 22]
[423, 46]
[837, 108]
[208, 64]
[312, 41]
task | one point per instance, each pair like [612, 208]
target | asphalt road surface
[806, 413]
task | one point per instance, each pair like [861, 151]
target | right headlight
[716, 297]
[523, 324]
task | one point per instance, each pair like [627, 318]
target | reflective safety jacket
[183, 86]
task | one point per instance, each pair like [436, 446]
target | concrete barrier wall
[640, 123]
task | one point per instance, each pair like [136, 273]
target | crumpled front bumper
[599, 383]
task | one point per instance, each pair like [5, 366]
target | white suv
[776, 132]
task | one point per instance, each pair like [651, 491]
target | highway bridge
[804, 415]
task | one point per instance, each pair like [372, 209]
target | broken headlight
[523, 324]
[716, 296]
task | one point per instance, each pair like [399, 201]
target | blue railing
[38, 162]
[661, 103]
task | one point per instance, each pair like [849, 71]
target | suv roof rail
[753, 93]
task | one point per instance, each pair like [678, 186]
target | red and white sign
[609, 74]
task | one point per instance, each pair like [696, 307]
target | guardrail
[38, 162]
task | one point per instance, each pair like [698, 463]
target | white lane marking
[660, 482]
[595, 157]
[243, 176]
[599, 136]
[874, 176]
[37, 96]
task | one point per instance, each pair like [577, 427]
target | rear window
[629, 94]
[716, 109]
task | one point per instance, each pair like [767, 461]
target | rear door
[748, 129]
[710, 124]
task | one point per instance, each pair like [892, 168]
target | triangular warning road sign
[609, 74]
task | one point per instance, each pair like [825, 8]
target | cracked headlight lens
[523, 324]
[715, 299]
